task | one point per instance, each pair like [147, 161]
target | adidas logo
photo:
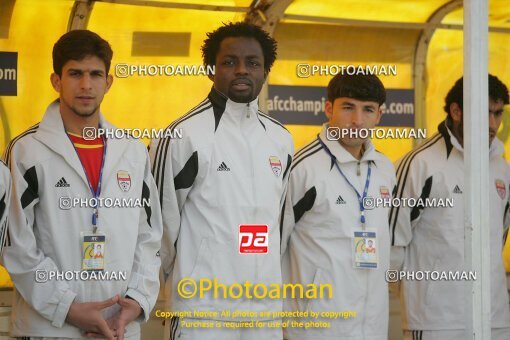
[223, 167]
[62, 183]
[340, 200]
[457, 190]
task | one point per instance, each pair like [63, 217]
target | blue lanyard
[367, 182]
[97, 193]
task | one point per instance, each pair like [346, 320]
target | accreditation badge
[364, 249]
[93, 251]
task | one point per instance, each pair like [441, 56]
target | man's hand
[129, 311]
[87, 316]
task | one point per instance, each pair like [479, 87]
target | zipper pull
[248, 110]
[358, 169]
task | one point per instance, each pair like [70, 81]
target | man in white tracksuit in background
[222, 187]
[329, 235]
[5, 196]
[64, 287]
[432, 238]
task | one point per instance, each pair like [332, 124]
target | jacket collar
[221, 104]
[496, 148]
[343, 156]
[51, 132]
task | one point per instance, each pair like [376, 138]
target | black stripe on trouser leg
[174, 331]
[171, 328]
[3, 235]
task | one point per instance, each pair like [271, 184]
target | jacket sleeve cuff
[142, 301]
[63, 308]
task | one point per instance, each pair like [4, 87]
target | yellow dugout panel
[33, 29]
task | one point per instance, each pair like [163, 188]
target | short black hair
[78, 44]
[360, 87]
[497, 91]
[211, 45]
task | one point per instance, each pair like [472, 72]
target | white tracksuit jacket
[217, 177]
[43, 237]
[5, 196]
[432, 239]
[321, 215]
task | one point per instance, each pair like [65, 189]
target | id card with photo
[364, 249]
[93, 251]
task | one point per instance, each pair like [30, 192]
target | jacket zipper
[252, 179]
[251, 159]
[248, 110]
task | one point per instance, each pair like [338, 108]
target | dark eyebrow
[347, 103]
[252, 56]
[96, 71]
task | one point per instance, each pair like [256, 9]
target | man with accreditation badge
[329, 234]
[52, 165]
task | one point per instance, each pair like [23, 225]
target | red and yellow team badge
[501, 189]
[124, 180]
[276, 165]
[385, 193]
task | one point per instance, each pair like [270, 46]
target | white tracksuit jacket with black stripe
[5, 196]
[432, 238]
[216, 178]
[321, 215]
[42, 237]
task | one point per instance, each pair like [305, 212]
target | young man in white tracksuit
[432, 238]
[228, 172]
[5, 196]
[330, 237]
[64, 287]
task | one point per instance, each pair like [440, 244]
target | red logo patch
[253, 239]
